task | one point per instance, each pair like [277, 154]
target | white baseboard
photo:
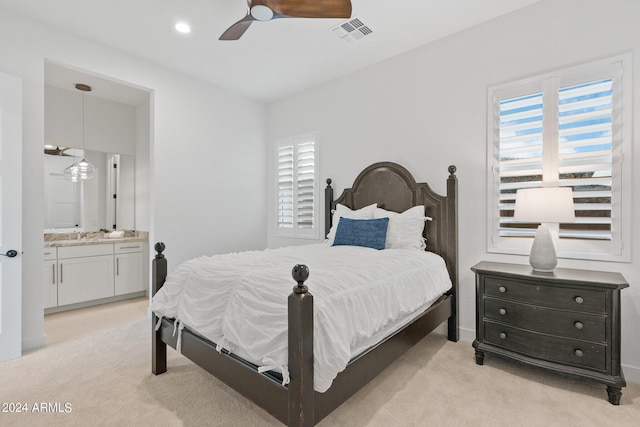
[467, 335]
[30, 344]
[631, 374]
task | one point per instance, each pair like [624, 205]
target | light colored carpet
[106, 379]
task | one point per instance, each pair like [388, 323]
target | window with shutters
[297, 186]
[569, 128]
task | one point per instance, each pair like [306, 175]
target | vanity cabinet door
[84, 279]
[128, 273]
[50, 277]
[50, 282]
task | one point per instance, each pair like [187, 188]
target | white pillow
[405, 229]
[343, 211]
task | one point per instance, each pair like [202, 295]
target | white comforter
[239, 300]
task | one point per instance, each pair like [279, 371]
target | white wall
[201, 201]
[143, 158]
[108, 126]
[426, 109]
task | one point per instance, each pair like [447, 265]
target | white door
[10, 217]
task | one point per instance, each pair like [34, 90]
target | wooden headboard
[394, 189]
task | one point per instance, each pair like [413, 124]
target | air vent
[352, 30]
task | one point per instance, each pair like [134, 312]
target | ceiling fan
[56, 151]
[266, 10]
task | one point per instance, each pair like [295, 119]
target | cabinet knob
[579, 300]
[578, 325]
[502, 311]
[503, 336]
[579, 353]
[502, 289]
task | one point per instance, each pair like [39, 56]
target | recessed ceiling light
[183, 27]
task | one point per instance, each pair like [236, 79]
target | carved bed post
[453, 330]
[301, 392]
[328, 201]
[158, 348]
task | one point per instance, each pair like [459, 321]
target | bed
[298, 403]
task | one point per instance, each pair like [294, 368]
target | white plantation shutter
[563, 129]
[306, 184]
[585, 155]
[285, 186]
[520, 154]
[297, 186]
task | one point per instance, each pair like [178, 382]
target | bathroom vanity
[90, 271]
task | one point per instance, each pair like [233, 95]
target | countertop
[53, 240]
[92, 241]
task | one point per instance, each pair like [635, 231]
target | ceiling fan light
[261, 13]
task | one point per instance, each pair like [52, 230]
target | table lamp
[548, 206]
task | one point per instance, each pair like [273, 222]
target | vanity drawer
[582, 326]
[84, 250]
[545, 347]
[123, 248]
[585, 300]
[50, 253]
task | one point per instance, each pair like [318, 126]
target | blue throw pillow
[370, 233]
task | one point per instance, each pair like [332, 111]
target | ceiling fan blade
[265, 10]
[236, 31]
[56, 151]
[310, 8]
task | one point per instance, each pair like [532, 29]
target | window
[297, 186]
[569, 128]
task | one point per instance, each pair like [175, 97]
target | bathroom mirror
[106, 201]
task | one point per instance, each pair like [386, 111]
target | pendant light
[82, 169]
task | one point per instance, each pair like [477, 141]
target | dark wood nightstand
[567, 321]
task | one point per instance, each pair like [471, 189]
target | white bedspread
[239, 300]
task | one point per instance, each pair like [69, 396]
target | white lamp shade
[543, 205]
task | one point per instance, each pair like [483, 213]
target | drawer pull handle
[579, 300]
[502, 289]
[579, 353]
[579, 325]
[503, 336]
[502, 311]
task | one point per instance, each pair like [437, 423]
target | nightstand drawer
[576, 299]
[546, 347]
[582, 326]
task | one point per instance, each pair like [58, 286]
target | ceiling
[273, 59]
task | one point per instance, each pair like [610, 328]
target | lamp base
[543, 255]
